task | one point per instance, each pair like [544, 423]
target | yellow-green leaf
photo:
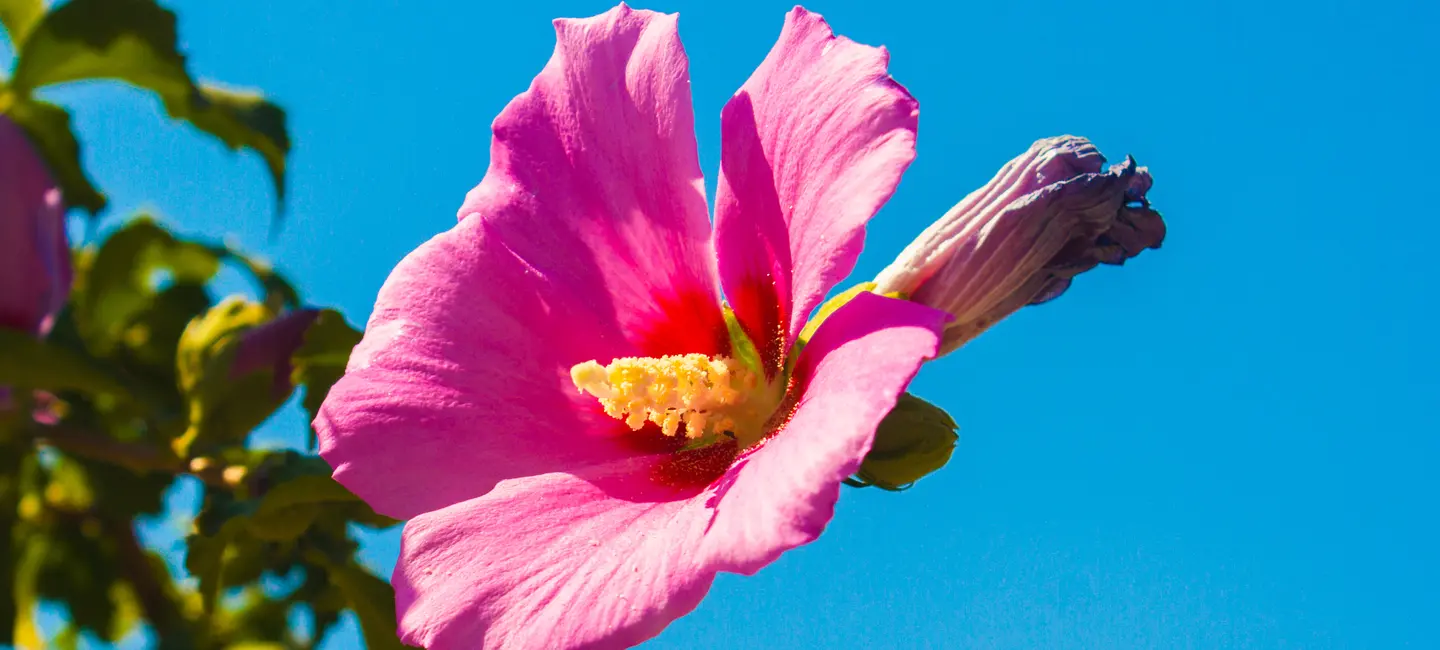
[18, 17]
[223, 408]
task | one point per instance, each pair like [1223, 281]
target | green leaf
[154, 331]
[288, 477]
[303, 490]
[288, 509]
[121, 281]
[208, 338]
[18, 17]
[49, 129]
[373, 601]
[241, 119]
[280, 295]
[297, 492]
[121, 493]
[127, 40]
[135, 41]
[77, 565]
[68, 638]
[205, 559]
[223, 408]
[915, 439]
[69, 487]
[258, 645]
[321, 359]
[128, 612]
[27, 362]
[283, 525]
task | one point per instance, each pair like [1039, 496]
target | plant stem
[139, 457]
[156, 599]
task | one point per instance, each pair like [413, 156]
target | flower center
[709, 395]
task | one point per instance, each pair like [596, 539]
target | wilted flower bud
[34, 249]
[1048, 216]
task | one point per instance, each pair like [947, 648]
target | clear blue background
[1230, 442]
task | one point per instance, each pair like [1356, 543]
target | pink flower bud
[270, 346]
[34, 249]
[1047, 216]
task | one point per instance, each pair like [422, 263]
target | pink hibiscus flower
[542, 516]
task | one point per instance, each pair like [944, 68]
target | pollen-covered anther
[706, 394]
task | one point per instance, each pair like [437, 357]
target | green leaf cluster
[128, 41]
[149, 379]
[144, 381]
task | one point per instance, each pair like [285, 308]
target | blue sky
[1228, 443]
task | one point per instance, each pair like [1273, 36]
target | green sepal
[742, 349]
[826, 309]
[692, 444]
[915, 439]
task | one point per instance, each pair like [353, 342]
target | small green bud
[915, 439]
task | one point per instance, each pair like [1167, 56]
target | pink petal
[35, 271]
[598, 159]
[853, 370]
[609, 558]
[550, 561]
[586, 240]
[811, 147]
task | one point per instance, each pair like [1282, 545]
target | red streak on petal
[647, 440]
[757, 306]
[689, 322]
[676, 468]
[695, 468]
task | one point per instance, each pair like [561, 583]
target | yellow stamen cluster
[707, 394]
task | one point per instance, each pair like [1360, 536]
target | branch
[156, 599]
[136, 456]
